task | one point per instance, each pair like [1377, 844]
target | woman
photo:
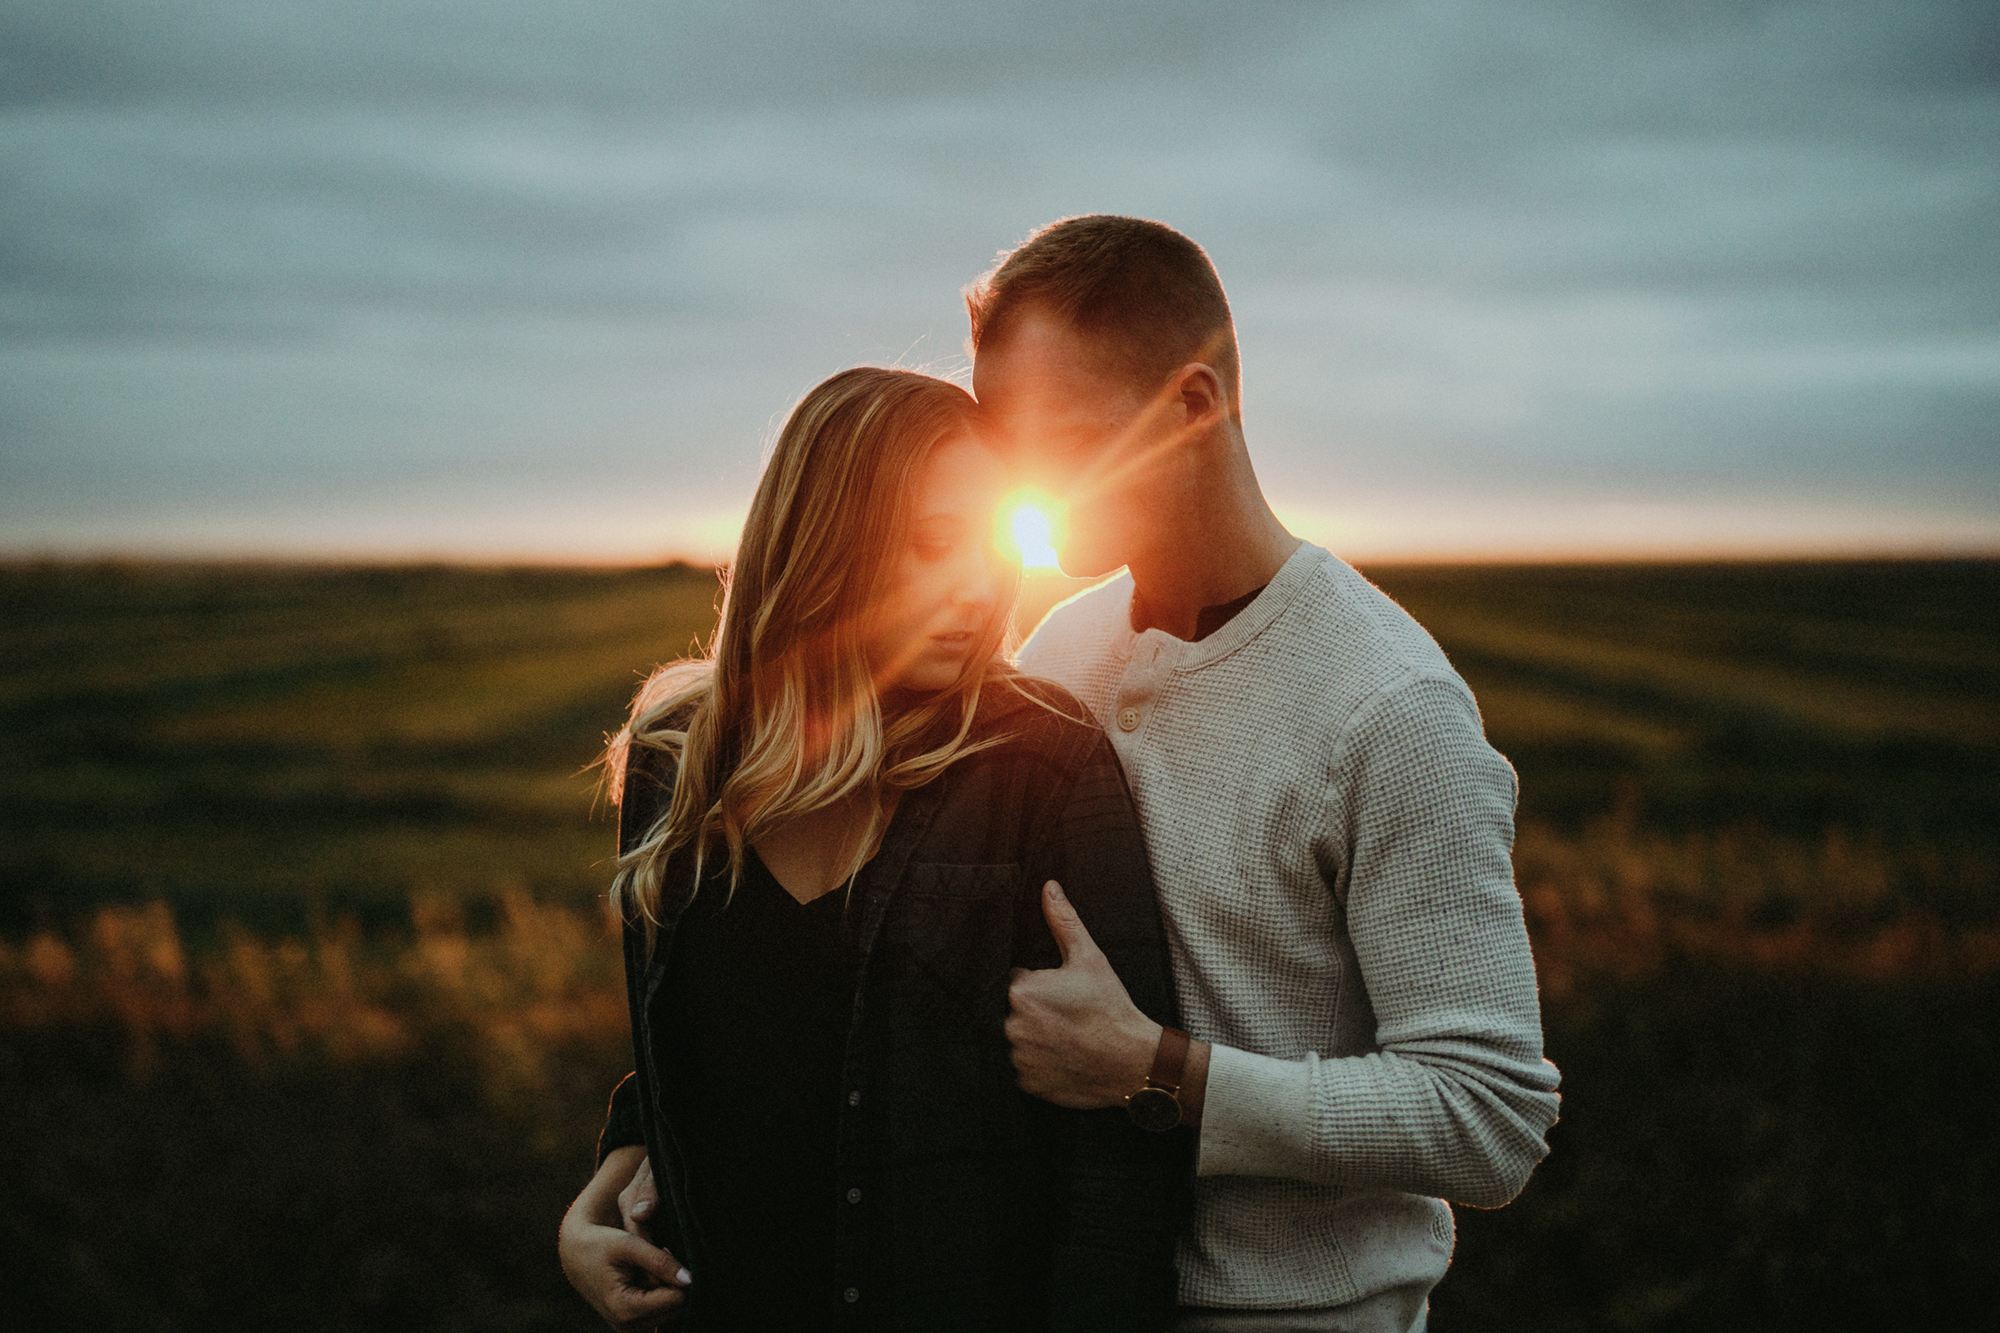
[833, 833]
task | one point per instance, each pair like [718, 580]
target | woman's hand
[627, 1279]
[638, 1201]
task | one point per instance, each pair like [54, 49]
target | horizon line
[532, 560]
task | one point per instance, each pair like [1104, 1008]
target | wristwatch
[1157, 1106]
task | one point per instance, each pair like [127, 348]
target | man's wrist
[1155, 1105]
[1136, 1068]
[1135, 1060]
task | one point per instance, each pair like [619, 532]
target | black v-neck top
[953, 1200]
[760, 993]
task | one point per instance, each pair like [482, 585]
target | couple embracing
[1172, 977]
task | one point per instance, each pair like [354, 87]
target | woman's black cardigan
[964, 1203]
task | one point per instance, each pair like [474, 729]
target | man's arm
[1456, 1099]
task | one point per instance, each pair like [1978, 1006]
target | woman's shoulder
[649, 765]
[1036, 715]
[650, 740]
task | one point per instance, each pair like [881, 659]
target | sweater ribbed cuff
[1256, 1117]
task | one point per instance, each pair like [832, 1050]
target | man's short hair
[1146, 291]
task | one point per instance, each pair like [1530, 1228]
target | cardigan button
[851, 1295]
[854, 1196]
[1128, 719]
[854, 1098]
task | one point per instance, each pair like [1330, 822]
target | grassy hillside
[247, 741]
[1862, 695]
[257, 742]
[308, 1006]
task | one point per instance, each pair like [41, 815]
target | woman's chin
[928, 676]
[924, 682]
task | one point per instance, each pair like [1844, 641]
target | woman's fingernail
[1055, 890]
[683, 1277]
[642, 1208]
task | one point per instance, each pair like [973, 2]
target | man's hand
[1078, 1039]
[627, 1279]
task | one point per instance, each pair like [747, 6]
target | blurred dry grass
[545, 979]
[1616, 906]
[1619, 904]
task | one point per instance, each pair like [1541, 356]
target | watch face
[1153, 1108]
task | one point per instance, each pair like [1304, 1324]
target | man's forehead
[1042, 366]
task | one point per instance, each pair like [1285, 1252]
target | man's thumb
[1072, 940]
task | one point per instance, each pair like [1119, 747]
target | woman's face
[946, 579]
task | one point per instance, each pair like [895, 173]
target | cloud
[272, 258]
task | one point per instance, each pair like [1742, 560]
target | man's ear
[1199, 389]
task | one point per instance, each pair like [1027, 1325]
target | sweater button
[854, 1098]
[1128, 719]
[854, 1196]
[851, 1295]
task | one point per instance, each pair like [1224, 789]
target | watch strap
[1169, 1060]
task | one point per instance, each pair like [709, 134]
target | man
[1328, 828]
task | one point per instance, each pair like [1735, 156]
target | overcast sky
[524, 279]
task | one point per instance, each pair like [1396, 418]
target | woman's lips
[956, 641]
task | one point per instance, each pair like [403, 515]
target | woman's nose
[977, 584]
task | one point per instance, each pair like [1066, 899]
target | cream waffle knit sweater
[1330, 834]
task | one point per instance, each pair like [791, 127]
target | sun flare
[1030, 529]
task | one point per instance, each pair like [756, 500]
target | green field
[307, 1004]
[255, 742]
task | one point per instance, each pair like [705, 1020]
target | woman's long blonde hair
[782, 716]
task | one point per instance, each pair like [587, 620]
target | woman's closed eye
[937, 538]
